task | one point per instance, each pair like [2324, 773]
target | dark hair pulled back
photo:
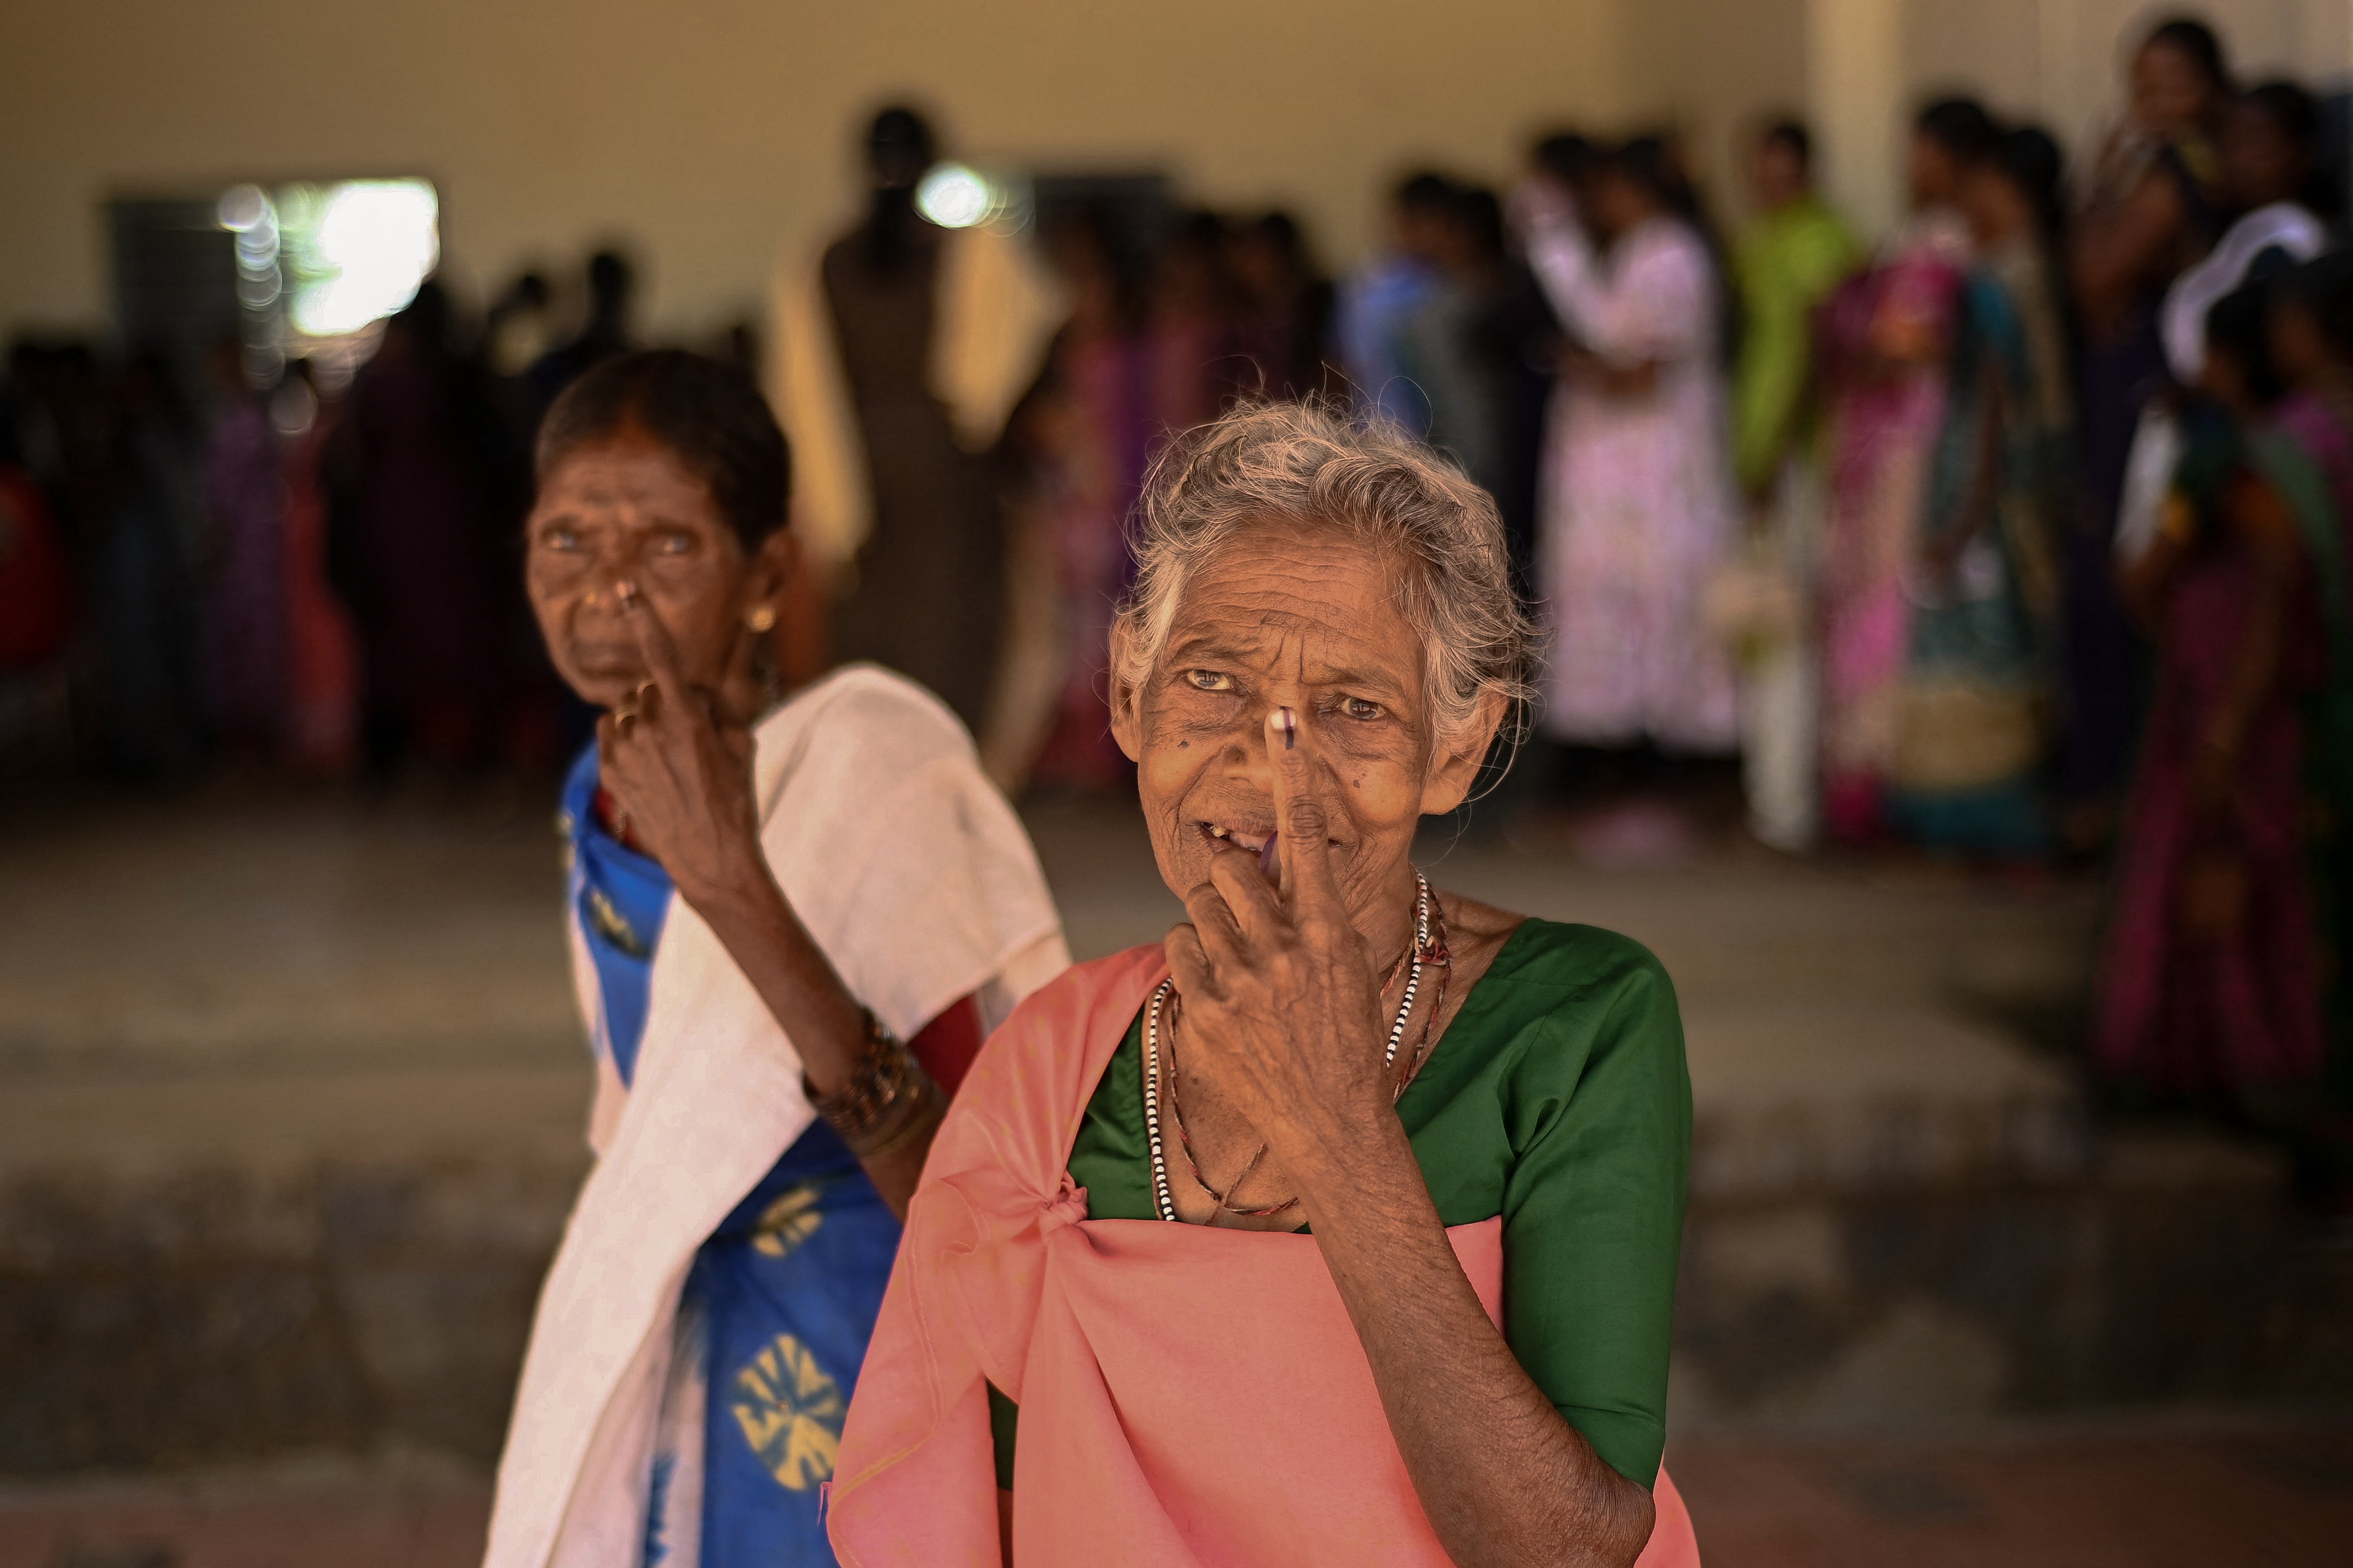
[2195, 42]
[1960, 126]
[711, 417]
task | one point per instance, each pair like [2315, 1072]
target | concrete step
[307, 1260]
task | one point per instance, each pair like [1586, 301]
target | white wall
[714, 133]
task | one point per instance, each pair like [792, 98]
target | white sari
[916, 880]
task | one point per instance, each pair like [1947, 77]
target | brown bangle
[888, 1100]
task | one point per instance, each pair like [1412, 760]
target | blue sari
[786, 1290]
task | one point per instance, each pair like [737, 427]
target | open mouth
[1242, 836]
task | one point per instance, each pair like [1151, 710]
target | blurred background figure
[2309, 341]
[904, 349]
[1081, 438]
[1379, 302]
[164, 562]
[1793, 253]
[37, 610]
[2268, 150]
[1194, 342]
[519, 328]
[1449, 344]
[2149, 207]
[1638, 504]
[1886, 337]
[427, 493]
[322, 728]
[1286, 306]
[1982, 584]
[2211, 972]
[607, 332]
[245, 579]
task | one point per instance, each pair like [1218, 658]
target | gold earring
[761, 618]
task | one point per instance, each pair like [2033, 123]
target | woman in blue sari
[765, 898]
[1968, 777]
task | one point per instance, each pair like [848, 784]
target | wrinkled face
[626, 509]
[1282, 618]
[2170, 91]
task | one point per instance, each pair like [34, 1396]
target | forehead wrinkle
[1279, 637]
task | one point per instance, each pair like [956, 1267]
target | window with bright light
[323, 261]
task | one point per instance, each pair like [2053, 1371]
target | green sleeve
[1600, 1120]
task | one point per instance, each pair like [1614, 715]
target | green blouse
[1558, 1098]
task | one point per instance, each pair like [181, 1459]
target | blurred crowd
[316, 574]
[2019, 537]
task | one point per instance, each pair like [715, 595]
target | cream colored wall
[1711, 70]
[711, 133]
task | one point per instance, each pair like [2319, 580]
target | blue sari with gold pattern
[786, 1290]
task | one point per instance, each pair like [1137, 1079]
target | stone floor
[263, 983]
[2251, 1498]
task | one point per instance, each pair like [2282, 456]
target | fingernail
[1290, 737]
[1266, 851]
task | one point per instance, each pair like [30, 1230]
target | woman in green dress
[1342, 1226]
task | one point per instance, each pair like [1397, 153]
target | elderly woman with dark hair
[766, 897]
[1341, 1227]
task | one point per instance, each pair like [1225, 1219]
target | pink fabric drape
[1191, 1397]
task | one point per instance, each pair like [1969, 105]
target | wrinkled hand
[683, 776]
[1281, 1004]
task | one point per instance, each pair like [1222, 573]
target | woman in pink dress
[1886, 336]
[1637, 505]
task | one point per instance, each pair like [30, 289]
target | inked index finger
[1306, 850]
[654, 643]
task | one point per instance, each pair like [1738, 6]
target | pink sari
[1883, 430]
[1165, 1371]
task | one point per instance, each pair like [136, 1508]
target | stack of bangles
[889, 1099]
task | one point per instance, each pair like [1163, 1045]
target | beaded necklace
[1424, 950]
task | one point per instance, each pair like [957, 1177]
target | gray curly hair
[1308, 466]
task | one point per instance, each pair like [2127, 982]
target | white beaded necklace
[1160, 1198]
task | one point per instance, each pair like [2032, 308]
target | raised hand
[1280, 1003]
[679, 771]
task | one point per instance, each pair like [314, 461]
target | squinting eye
[677, 542]
[557, 537]
[1358, 708]
[1210, 680]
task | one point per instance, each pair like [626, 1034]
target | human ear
[1455, 767]
[767, 573]
[1126, 698]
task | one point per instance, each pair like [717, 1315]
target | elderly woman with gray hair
[1341, 1227]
